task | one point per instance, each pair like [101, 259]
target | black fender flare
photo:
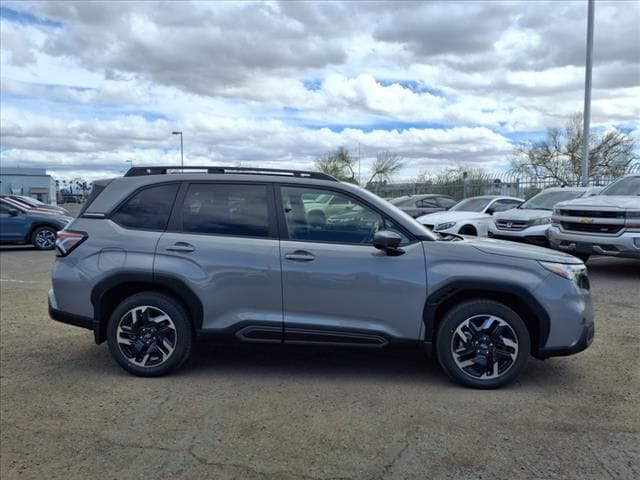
[461, 290]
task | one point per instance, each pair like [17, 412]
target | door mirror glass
[388, 242]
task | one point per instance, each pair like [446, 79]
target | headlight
[632, 214]
[633, 218]
[577, 273]
[540, 221]
[445, 226]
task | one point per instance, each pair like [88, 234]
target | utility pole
[181, 150]
[586, 120]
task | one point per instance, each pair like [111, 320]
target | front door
[337, 288]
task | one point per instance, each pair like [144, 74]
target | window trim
[282, 220]
[114, 210]
[175, 220]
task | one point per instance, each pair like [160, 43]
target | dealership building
[33, 182]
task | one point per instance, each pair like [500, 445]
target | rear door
[222, 244]
[337, 288]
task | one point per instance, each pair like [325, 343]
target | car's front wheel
[44, 238]
[483, 344]
[149, 334]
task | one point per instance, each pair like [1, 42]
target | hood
[519, 250]
[522, 214]
[609, 201]
[446, 216]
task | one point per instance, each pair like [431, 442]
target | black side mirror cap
[388, 242]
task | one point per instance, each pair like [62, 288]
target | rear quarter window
[148, 209]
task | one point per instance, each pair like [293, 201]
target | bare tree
[339, 164]
[384, 167]
[559, 155]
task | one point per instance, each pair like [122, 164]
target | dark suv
[155, 259]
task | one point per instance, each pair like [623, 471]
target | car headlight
[445, 226]
[576, 272]
[540, 221]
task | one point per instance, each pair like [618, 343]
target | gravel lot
[256, 412]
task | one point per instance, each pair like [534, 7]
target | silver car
[156, 259]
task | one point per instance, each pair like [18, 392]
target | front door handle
[181, 247]
[300, 256]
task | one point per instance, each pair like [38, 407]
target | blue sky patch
[26, 18]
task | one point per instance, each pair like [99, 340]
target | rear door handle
[300, 256]
[181, 247]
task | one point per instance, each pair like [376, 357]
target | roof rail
[141, 171]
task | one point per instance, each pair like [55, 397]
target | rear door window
[148, 209]
[226, 209]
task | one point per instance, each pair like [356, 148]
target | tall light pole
[181, 150]
[586, 119]
[130, 161]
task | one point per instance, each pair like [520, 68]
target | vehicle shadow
[18, 248]
[618, 267]
[392, 364]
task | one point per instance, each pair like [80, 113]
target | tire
[149, 334]
[496, 354]
[44, 238]
[468, 230]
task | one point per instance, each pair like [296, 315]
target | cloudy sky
[88, 86]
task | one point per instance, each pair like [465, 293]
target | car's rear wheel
[483, 344]
[149, 334]
[44, 238]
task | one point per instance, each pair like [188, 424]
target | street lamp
[181, 150]
[130, 161]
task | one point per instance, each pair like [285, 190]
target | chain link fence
[472, 184]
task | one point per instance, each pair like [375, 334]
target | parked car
[148, 273]
[416, 205]
[606, 224]
[30, 202]
[470, 216]
[530, 221]
[22, 225]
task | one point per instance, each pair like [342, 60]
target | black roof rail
[141, 171]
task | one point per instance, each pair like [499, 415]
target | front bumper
[626, 244]
[586, 339]
[536, 235]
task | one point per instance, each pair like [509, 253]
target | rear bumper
[70, 318]
[626, 244]
[586, 339]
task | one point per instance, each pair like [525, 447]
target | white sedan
[470, 216]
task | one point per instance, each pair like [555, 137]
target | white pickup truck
[605, 224]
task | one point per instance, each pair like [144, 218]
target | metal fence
[473, 184]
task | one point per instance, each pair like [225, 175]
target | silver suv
[156, 259]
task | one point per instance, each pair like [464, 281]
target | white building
[33, 182]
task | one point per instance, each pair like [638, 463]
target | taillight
[67, 241]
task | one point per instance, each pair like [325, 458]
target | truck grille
[512, 225]
[592, 213]
[591, 228]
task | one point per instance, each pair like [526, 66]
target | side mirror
[14, 212]
[491, 211]
[388, 242]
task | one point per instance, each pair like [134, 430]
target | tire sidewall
[178, 316]
[469, 309]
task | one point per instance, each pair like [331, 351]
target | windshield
[29, 200]
[547, 200]
[624, 186]
[471, 205]
[403, 201]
